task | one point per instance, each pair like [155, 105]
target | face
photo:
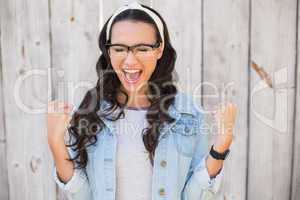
[136, 67]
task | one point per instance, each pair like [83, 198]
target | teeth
[131, 71]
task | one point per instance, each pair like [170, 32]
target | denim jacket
[179, 170]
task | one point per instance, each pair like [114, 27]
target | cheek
[116, 67]
[149, 68]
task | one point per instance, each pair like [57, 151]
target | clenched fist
[58, 118]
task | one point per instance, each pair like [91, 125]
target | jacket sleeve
[77, 188]
[199, 185]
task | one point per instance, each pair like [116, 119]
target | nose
[130, 58]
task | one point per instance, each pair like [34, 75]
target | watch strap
[218, 156]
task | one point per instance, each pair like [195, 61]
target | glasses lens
[143, 52]
[143, 48]
[118, 51]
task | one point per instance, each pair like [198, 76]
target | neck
[134, 100]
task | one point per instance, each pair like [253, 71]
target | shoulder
[186, 111]
[187, 104]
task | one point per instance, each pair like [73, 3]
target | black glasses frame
[153, 46]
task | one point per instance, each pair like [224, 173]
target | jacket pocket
[184, 136]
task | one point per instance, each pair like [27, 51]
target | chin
[133, 88]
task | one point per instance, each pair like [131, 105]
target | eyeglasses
[140, 51]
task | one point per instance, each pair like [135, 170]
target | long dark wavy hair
[86, 122]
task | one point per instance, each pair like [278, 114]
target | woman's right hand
[58, 118]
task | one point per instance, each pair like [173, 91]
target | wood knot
[35, 163]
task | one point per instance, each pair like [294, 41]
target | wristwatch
[218, 156]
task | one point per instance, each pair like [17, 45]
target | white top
[134, 170]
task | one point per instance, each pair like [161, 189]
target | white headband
[136, 5]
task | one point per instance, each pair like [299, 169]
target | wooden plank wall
[225, 61]
[216, 42]
[25, 51]
[295, 190]
[3, 165]
[273, 46]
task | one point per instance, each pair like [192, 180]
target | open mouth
[132, 75]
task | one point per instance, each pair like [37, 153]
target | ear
[160, 50]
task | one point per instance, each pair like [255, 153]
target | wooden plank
[26, 47]
[4, 190]
[225, 60]
[74, 28]
[185, 35]
[296, 151]
[273, 40]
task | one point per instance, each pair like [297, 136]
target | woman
[135, 136]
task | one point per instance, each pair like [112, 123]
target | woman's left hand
[226, 119]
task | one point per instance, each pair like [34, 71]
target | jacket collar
[183, 104]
